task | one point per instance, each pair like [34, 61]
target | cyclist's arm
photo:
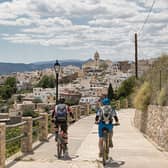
[53, 113]
[70, 112]
[116, 119]
[97, 115]
[114, 114]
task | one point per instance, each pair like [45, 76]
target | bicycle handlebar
[115, 124]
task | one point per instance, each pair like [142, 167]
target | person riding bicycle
[104, 119]
[60, 117]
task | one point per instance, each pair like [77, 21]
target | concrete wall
[154, 123]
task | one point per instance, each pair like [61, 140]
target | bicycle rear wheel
[104, 151]
[59, 149]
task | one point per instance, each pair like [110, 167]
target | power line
[146, 20]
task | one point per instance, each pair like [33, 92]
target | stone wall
[154, 123]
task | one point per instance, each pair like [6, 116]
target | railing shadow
[23, 155]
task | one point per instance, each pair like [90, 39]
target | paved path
[131, 149]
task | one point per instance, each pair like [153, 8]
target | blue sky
[42, 30]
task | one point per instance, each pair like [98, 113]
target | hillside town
[83, 85]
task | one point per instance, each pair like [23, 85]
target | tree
[27, 112]
[8, 88]
[110, 92]
[47, 82]
[11, 81]
[126, 87]
[6, 92]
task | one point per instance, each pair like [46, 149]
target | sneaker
[111, 144]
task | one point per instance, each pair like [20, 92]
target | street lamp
[57, 70]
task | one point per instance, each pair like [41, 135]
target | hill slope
[7, 68]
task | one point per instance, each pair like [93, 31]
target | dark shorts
[62, 125]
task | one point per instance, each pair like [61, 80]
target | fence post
[2, 144]
[52, 125]
[26, 142]
[43, 124]
[79, 111]
[76, 113]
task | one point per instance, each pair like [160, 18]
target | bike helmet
[106, 101]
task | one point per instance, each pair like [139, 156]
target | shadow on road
[67, 158]
[112, 163]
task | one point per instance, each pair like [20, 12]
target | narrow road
[131, 149]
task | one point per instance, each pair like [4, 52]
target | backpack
[61, 113]
[106, 114]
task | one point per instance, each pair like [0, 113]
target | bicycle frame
[105, 145]
[61, 145]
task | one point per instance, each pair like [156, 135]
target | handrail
[37, 118]
[5, 119]
[15, 138]
[16, 125]
[49, 114]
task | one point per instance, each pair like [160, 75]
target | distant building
[46, 95]
[124, 66]
[92, 64]
[143, 66]
[70, 95]
[90, 100]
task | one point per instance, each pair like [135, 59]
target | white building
[46, 95]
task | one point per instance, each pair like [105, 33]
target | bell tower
[96, 58]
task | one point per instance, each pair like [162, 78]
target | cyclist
[104, 118]
[60, 117]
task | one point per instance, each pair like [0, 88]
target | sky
[44, 30]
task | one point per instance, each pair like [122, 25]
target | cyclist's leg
[64, 128]
[110, 128]
[100, 131]
[56, 129]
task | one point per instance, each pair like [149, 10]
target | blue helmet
[106, 101]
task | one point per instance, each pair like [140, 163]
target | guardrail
[21, 136]
[13, 137]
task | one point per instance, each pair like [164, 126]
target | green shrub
[14, 146]
[29, 112]
[162, 97]
[142, 98]
[37, 100]
[126, 88]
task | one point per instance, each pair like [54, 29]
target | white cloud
[104, 25]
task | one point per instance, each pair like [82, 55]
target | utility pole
[160, 83]
[136, 56]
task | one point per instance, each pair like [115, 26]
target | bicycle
[62, 149]
[61, 145]
[105, 147]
